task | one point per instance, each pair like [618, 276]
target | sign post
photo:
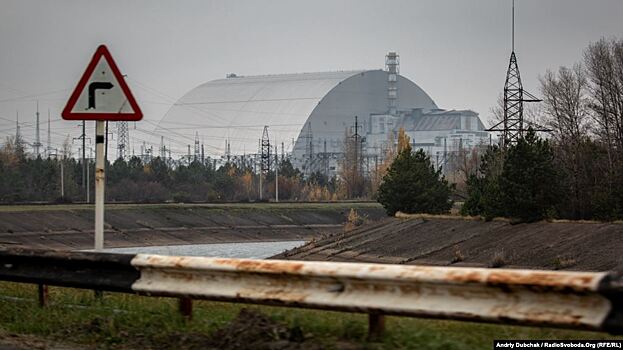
[101, 95]
[100, 178]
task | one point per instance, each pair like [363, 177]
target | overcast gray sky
[456, 50]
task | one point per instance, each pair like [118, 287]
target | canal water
[251, 250]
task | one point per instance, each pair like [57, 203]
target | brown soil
[254, 331]
[443, 241]
[250, 330]
[172, 225]
[12, 341]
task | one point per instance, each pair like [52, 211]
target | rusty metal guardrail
[580, 300]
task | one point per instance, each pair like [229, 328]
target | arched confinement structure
[309, 112]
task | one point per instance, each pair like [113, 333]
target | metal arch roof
[237, 108]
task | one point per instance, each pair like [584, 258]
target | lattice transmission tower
[37, 144]
[265, 157]
[197, 155]
[123, 140]
[513, 126]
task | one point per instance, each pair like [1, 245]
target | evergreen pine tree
[412, 185]
[529, 182]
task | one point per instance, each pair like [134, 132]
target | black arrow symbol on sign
[100, 85]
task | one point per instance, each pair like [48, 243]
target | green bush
[412, 185]
[520, 182]
[530, 183]
[483, 190]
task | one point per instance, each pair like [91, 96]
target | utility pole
[276, 175]
[88, 184]
[356, 136]
[445, 151]
[84, 150]
[37, 144]
[325, 159]
[356, 160]
[437, 161]
[48, 150]
[18, 135]
[282, 151]
[309, 149]
[376, 168]
[62, 177]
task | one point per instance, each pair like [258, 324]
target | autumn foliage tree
[392, 149]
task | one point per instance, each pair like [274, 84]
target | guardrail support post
[376, 326]
[43, 295]
[186, 307]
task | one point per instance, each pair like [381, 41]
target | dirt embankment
[71, 227]
[458, 242]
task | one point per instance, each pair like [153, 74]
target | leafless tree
[604, 67]
[566, 113]
[565, 104]
[351, 170]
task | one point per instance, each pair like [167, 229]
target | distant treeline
[24, 178]
[27, 179]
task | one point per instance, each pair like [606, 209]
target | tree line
[577, 171]
[24, 178]
[27, 179]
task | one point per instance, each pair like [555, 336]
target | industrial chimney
[392, 65]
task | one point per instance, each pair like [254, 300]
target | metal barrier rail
[580, 300]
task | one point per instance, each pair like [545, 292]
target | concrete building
[440, 133]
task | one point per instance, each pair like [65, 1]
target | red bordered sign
[101, 93]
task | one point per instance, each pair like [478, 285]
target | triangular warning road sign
[102, 93]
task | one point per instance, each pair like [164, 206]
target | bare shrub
[562, 262]
[458, 255]
[499, 259]
[354, 220]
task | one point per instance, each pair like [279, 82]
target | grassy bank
[129, 321]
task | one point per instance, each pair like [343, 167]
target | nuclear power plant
[310, 115]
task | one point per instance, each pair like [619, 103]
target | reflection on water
[252, 250]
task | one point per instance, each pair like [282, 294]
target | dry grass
[456, 216]
[499, 259]
[127, 206]
[354, 220]
[458, 255]
[562, 262]
[401, 215]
